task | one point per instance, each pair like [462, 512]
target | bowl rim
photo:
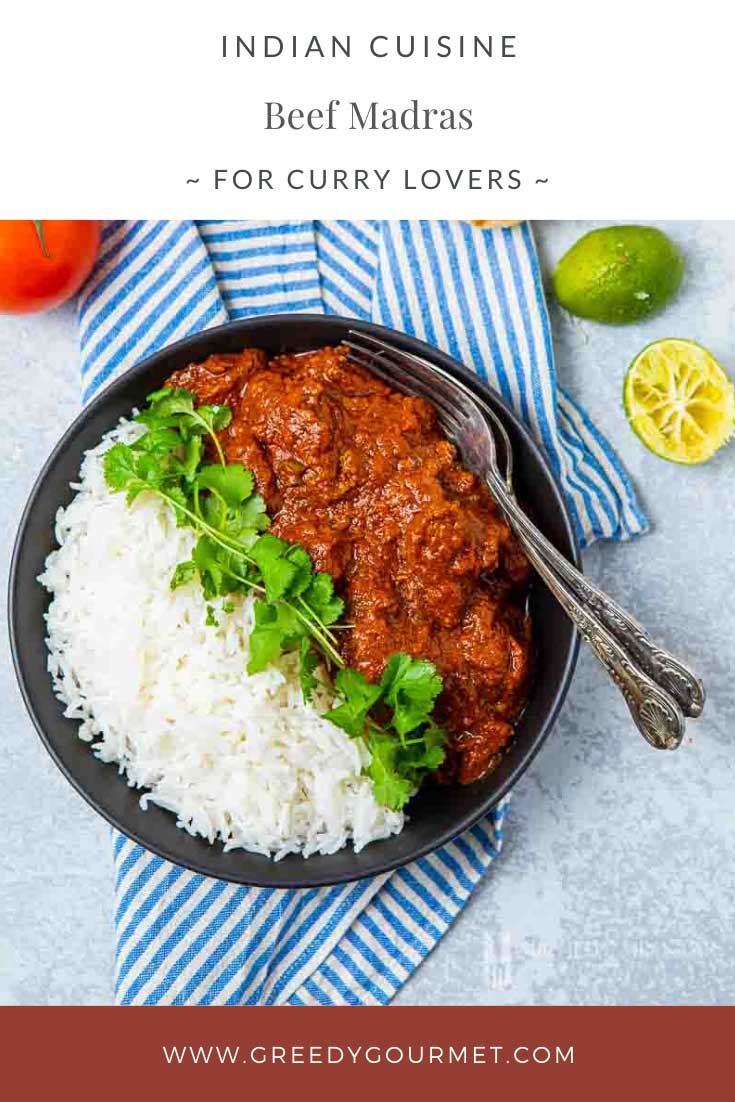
[140, 369]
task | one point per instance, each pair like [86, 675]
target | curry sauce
[363, 478]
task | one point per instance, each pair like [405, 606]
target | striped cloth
[186, 939]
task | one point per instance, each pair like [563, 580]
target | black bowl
[437, 814]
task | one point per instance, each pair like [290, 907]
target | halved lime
[679, 401]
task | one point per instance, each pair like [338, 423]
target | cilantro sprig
[409, 744]
[296, 609]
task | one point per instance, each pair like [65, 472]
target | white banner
[463, 109]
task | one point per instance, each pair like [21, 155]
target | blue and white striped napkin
[186, 939]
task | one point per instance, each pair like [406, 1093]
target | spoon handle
[668, 671]
[655, 713]
[661, 666]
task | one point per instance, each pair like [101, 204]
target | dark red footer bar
[586, 1052]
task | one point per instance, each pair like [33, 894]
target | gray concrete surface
[617, 882]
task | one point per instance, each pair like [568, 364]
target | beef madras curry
[362, 477]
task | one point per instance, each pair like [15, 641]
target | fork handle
[661, 666]
[655, 713]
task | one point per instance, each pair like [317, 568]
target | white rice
[237, 758]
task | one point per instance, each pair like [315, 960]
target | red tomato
[42, 264]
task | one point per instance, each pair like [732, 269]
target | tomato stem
[42, 239]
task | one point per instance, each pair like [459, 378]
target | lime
[619, 274]
[679, 401]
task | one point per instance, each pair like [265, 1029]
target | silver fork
[658, 689]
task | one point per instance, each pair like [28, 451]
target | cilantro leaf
[211, 620]
[390, 788]
[158, 441]
[120, 466]
[276, 625]
[184, 573]
[286, 567]
[206, 557]
[435, 746]
[359, 696]
[398, 770]
[321, 599]
[232, 484]
[269, 552]
[214, 418]
[303, 570]
[134, 469]
[173, 407]
[221, 571]
[410, 687]
[251, 517]
[165, 405]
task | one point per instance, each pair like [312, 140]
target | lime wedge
[679, 401]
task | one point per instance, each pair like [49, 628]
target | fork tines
[462, 414]
[405, 372]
